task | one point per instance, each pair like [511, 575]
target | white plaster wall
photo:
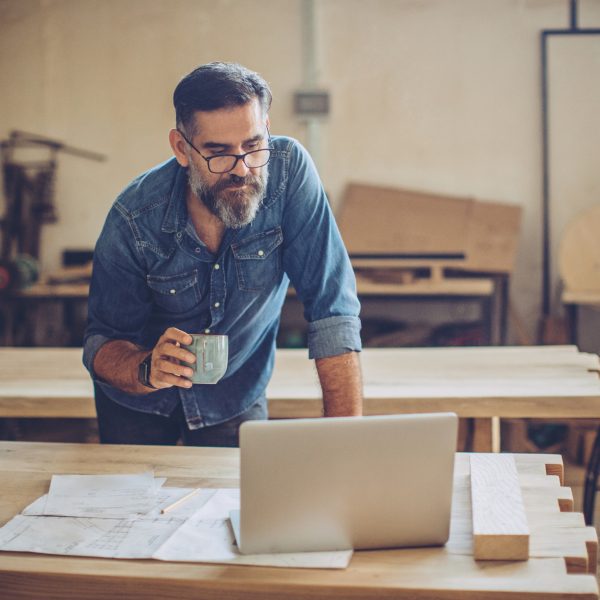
[438, 95]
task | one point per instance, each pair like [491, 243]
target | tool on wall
[29, 203]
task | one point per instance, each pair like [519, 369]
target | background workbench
[486, 383]
[25, 312]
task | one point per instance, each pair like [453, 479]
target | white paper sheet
[207, 536]
[164, 497]
[197, 531]
[80, 536]
[107, 496]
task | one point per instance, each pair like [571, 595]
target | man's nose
[240, 169]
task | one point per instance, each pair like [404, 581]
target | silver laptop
[348, 482]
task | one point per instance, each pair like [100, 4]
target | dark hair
[217, 85]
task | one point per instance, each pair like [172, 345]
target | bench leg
[591, 481]
[486, 435]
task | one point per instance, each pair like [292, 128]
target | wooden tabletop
[55, 291]
[475, 287]
[542, 381]
[563, 551]
[534, 381]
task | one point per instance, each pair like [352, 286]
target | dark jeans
[120, 425]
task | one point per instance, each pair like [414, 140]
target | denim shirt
[152, 272]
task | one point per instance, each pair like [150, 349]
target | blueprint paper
[164, 497]
[196, 531]
[80, 536]
[107, 496]
[207, 536]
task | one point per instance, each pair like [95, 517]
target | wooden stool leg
[591, 481]
[495, 434]
[483, 435]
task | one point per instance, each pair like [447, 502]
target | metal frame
[546, 257]
[593, 467]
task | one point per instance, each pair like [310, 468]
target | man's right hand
[117, 362]
[166, 370]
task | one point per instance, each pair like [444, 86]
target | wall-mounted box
[313, 103]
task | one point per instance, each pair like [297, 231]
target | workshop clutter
[422, 244]
[572, 438]
[18, 273]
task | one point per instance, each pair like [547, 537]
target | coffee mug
[211, 352]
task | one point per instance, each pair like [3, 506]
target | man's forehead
[230, 123]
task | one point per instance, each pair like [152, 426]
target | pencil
[180, 501]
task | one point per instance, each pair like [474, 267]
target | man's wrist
[144, 372]
[117, 363]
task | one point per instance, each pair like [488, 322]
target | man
[206, 242]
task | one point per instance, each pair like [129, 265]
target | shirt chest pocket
[258, 260]
[175, 293]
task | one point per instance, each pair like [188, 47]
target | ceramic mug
[212, 352]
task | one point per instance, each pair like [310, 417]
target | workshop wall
[431, 95]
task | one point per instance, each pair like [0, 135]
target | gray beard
[235, 207]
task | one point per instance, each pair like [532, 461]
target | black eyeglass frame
[237, 157]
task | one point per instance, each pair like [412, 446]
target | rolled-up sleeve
[333, 336]
[90, 349]
[317, 263]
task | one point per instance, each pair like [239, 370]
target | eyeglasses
[223, 163]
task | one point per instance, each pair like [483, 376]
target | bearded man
[208, 242]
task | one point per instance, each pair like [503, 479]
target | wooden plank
[48, 407]
[380, 364]
[429, 287]
[500, 530]
[492, 236]
[552, 532]
[56, 404]
[58, 290]
[402, 221]
[545, 382]
[408, 222]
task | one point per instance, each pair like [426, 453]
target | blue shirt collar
[176, 215]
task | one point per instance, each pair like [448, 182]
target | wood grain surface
[562, 550]
[536, 381]
[500, 529]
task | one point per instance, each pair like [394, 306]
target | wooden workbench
[484, 382]
[20, 307]
[563, 552]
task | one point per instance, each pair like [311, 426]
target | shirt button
[217, 267]
[172, 291]
[179, 234]
[197, 250]
[207, 331]
[217, 304]
[261, 252]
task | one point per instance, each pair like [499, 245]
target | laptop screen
[347, 482]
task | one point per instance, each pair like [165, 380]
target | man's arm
[117, 362]
[341, 382]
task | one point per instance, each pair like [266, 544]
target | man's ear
[178, 146]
